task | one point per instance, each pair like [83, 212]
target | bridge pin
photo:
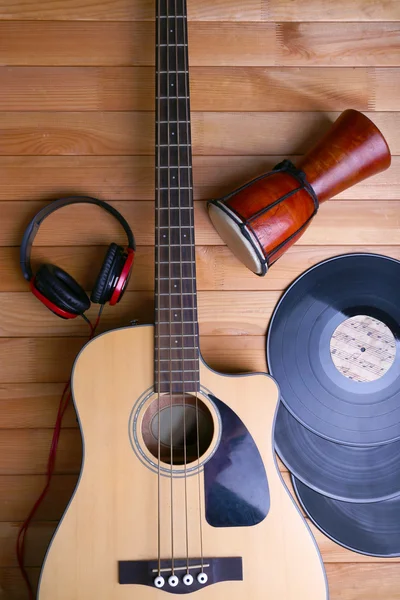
[159, 581]
[188, 579]
[202, 578]
[173, 581]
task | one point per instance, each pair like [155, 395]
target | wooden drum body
[263, 218]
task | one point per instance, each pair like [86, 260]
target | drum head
[340, 472]
[372, 529]
[246, 249]
[333, 347]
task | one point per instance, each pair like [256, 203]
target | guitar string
[177, 92]
[170, 299]
[158, 283]
[193, 273]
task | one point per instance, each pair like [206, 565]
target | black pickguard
[236, 484]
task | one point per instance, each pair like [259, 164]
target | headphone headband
[34, 225]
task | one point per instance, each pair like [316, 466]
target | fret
[174, 216]
[166, 216]
[179, 360]
[176, 335]
[170, 329]
[183, 294]
[174, 132]
[182, 308]
[167, 279]
[179, 338]
[184, 322]
[189, 300]
[173, 109]
[177, 388]
[175, 262]
[175, 235]
[171, 84]
[171, 31]
[173, 199]
[175, 254]
[177, 286]
[173, 175]
[172, 7]
[171, 227]
[172, 57]
[174, 156]
[179, 309]
[168, 353]
[179, 376]
[171, 187]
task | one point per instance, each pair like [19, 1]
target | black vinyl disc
[341, 472]
[372, 529]
[299, 353]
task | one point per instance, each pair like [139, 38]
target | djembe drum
[263, 218]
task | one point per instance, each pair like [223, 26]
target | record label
[363, 348]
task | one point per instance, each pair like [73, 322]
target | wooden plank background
[76, 80]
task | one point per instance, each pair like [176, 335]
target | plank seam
[372, 83]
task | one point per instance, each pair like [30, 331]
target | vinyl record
[372, 529]
[333, 347]
[341, 472]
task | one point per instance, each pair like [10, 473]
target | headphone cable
[63, 405]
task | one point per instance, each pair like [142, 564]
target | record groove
[372, 529]
[315, 392]
[341, 472]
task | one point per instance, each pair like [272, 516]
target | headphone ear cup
[108, 275]
[61, 289]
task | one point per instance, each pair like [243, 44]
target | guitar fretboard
[176, 339]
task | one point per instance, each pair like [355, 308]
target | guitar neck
[176, 339]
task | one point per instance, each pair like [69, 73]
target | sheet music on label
[363, 348]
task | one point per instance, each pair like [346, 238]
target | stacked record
[333, 348]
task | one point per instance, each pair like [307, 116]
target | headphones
[60, 292]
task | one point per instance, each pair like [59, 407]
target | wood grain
[345, 581]
[50, 359]
[126, 133]
[77, 43]
[246, 313]
[18, 493]
[34, 178]
[25, 451]
[361, 222]
[267, 77]
[206, 10]
[217, 268]
[256, 89]
[42, 531]
[32, 406]
[309, 584]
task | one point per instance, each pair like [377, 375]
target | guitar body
[112, 516]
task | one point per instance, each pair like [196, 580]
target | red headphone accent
[123, 278]
[60, 292]
[53, 307]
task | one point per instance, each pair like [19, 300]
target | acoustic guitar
[179, 490]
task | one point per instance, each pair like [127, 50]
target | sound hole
[176, 419]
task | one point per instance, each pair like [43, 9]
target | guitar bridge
[203, 573]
